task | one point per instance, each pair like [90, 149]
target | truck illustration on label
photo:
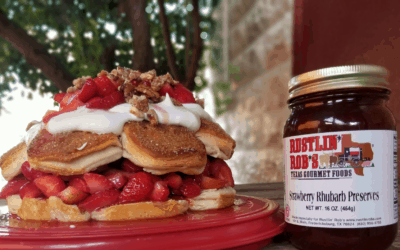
[352, 154]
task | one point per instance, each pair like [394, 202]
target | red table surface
[250, 224]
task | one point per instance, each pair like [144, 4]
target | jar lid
[340, 77]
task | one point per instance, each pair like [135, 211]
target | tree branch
[35, 53]
[167, 39]
[143, 58]
[107, 58]
[197, 47]
[187, 45]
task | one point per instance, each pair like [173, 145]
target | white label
[342, 179]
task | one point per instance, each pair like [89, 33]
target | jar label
[344, 179]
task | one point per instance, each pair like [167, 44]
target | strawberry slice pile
[97, 93]
[103, 93]
[116, 183]
[178, 92]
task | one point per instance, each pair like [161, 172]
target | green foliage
[78, 31]
[222, 90]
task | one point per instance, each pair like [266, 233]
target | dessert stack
[124, 145]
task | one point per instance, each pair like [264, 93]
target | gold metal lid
[340, 77]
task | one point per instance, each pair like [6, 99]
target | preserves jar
[340, 146]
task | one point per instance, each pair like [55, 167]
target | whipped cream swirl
[113, 120]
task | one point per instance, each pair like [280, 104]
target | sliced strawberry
[166, 89]
[182, 94]
[174, 180]
[80, 184]
[189, 188]
[71, 102]
[97, 182]
[89, 90]
[155, 178]
[50, 185]
[29, 190]
[104, 85]
[177, 192]
[198, 179]
[127, 174]
[69, 177]
[212, 183]
[113, 99]
[30, 173]
[72, 195]
[13, 186]
[138, 188]
[50, 114]
[131, 167]
[58, 97]
[116, 83]
[95, 103]
[160, 191]
[99, 200]
[117, 179]
[207, 169]
[225, 173]
[214, 167]
[221, 170]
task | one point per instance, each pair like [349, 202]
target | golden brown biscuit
[213, 199]
[142, 210]
[217, 142]
[163, 148]
[72, 153]
[11, 161]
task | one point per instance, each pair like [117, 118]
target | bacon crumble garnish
[71, 90]
[152, 116]
[102, 73]
[79, 82]
[139, 89]
[148, 92]
[141, 103]
[137, 112]
[150, 75]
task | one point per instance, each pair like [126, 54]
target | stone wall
[260, 43]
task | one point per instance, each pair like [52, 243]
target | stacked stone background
[260, 41]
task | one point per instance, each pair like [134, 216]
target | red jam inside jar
[336, 101]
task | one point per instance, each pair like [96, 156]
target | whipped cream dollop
[113, 120]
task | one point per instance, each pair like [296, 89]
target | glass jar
[340, 146]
